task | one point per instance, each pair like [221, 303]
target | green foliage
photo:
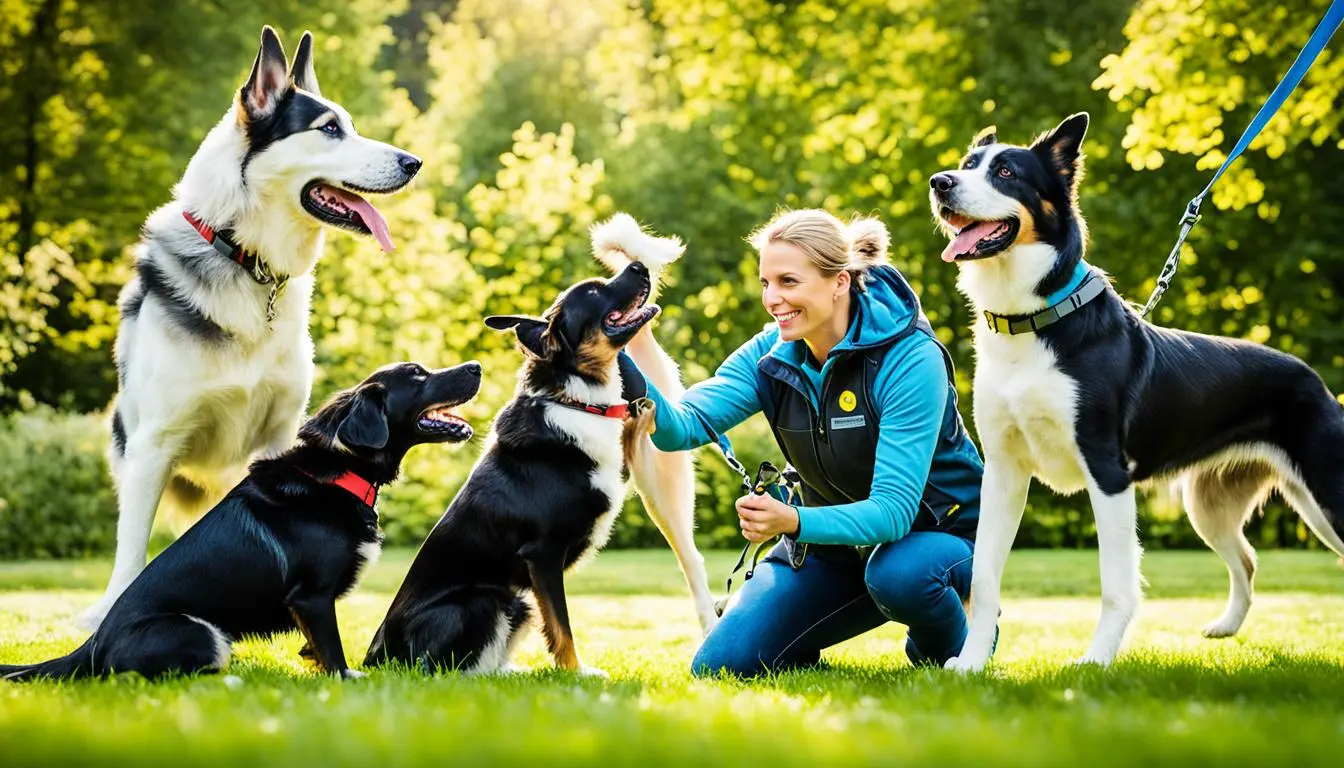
[701, 118]
[56, 498]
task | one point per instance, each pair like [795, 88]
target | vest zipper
[814, 413]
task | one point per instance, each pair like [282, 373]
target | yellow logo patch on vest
[848, 401]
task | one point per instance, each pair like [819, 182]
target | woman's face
[795, 292]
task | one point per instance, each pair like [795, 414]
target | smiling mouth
[632, 317]
[341, 208]
[440, 421]
[976, 239]
[787, 316]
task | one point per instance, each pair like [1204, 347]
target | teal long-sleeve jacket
[922, 451]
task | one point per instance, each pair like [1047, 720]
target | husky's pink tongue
[368, 214]
[964, 242]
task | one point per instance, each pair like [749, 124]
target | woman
[861, 400]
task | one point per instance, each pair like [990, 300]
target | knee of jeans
[902, 594]
[713, 659]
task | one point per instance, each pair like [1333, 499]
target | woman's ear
[842, 283]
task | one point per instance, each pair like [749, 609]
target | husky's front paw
[93, 616]
[1092, 659]
[352, 674]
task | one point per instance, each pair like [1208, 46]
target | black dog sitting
[281, 547]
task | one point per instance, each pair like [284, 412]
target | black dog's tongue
[633, 385]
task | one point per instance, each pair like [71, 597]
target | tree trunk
[39, 50]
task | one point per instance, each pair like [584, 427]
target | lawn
[1274, 694]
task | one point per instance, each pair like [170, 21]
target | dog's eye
[332, 127]
[1005, 173]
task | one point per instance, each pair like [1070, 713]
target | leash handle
[1334, 16]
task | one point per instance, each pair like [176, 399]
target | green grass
[1274, 694]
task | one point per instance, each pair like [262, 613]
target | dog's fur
[1102, 400]
[278, 551]
[665, 481]
[205, 380]
[543, 495]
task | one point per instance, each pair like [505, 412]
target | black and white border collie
[543, 495]
[1073, 388]
[214, 359]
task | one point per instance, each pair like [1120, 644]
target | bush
[56, 494]
[57, 497]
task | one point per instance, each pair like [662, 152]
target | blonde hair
[831, 245]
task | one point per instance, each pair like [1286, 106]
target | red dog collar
[354, 484]
[366, 492]
[227, 248]
[618, 411]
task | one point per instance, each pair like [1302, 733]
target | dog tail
[78, 663]
[620, 240]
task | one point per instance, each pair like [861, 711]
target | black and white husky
[1072, 387]
[550, 483]
[214, 360]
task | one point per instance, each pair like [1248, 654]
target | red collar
[366, 491]
[618, 411]
[227, 248]
[349, 481]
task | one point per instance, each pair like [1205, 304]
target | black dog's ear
[365, 426]
[531, 332]
[301, 71]
[1061, 149]
[985, 137]
[269, 81]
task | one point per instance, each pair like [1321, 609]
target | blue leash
[1315, 44]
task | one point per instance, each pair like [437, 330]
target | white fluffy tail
[666, 481]
[620, 240]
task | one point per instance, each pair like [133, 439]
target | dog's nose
[473, 368]
[639, 268]
[942, 182]
[409, 164]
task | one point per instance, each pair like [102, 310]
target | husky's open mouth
[441, 422]
[340, 207]
[976, 239]
[624, 320]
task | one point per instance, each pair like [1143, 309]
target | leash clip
[1191, 216]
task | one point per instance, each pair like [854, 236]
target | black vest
[835, 451]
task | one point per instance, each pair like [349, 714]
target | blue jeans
[783, 618]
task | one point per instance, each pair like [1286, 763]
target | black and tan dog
[282, 546]
[544, 494]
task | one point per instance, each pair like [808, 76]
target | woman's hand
[763, 517]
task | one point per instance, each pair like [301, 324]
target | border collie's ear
[301, 71]
[985, 137]
[1061, 148]
[365, 426]
[269, 81]
[531, 332]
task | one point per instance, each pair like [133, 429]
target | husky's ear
[1061, 149]
[365, 426]
[269, 81]
[531, 332]
[301, 71]
[985, 137]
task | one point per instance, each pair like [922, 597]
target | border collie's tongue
[368, 214]
[965, 241]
